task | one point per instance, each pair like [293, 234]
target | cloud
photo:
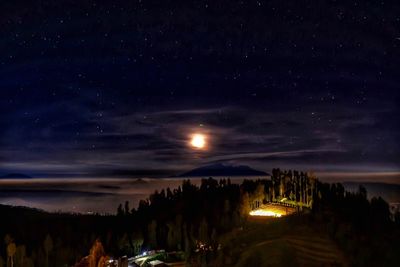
[266, 155]
[141, 143]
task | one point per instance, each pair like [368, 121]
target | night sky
[116, 88]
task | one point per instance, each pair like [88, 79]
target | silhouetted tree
[203, 231]
[120, 210]
[48, 247]
[20, 255]
[126, 208]
[152, 234]
[11, 250]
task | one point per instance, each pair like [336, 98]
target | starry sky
[115, 88]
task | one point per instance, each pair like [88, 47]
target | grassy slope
[282, 242]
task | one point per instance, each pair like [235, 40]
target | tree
[120, 210]
[380, 212]
[397, 218]
[203, 232]
[123, 243]
[152, 230]
[259, 195]
[127, 211]
[244, 204]
[11, 249]
[103, 261]
[20, 256]
[137, 243]
[96, 254]
[178, 233]
[172, 235]
[187, 241]
[48, 247]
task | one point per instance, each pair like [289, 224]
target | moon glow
[198, 141]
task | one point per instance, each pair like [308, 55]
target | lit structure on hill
[273, 210]
[264, 213]
[287, 192]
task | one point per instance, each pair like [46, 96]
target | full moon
[198, 141]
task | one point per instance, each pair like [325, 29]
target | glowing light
[264, 213]
[198, 141]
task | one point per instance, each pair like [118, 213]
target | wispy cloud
[106, 140]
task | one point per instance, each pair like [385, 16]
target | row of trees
[297, 186]
[183, 218]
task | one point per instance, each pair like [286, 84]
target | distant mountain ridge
[15, 176]
[220, 169]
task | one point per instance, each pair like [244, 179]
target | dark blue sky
[97, 88]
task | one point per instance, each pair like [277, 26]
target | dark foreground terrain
[210, 225]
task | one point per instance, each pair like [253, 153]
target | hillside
[286, 241]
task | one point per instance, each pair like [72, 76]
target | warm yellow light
[264, 213]
[198, 141]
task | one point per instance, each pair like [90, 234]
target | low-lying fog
[104, 195]
[83, 195]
